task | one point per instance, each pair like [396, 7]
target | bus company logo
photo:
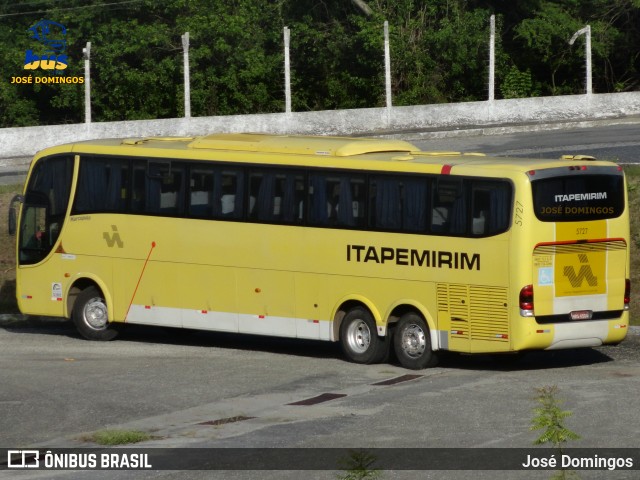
[23, 459]
[52, 35]
[585, 273]
[113, 238]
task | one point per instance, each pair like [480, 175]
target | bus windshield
[45, 208]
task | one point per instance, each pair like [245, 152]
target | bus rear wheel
[359, 337]
[412, 343]
[90, 316]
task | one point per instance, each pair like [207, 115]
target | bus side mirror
[13, 214]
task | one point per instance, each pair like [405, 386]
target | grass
[633, 181]
[7, 253]
[117, 437]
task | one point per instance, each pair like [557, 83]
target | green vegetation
[633, 187]
[439, 53]
[359, 465]
[550, 418]
[118, 437]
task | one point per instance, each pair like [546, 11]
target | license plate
[581, 315]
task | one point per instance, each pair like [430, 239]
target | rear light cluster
[526, 298]
[526, 301]
[627, 293]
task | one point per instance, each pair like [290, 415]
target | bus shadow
[231, 341]
[8, 303]
[145, 334]
[536, 360]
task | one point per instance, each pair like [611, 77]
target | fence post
[387, 68]
[86, 51]
[492, 58]
[587, 53]
[187, 82]
[287, 71]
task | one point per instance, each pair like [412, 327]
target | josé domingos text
[50, 79]
[568, 461]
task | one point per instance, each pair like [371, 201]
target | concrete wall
[18, 142]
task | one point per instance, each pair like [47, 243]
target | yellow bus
[370, 243]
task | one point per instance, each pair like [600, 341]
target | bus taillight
[526, 301]
[627, 293]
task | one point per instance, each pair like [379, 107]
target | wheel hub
[359, 336]
[414, 341]
[95, 314]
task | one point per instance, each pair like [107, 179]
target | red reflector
[531, 172]
[203, 311]
[446, 169]
[147, 307]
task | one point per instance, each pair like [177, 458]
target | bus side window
[102, 185]
[288, 204]
[201, 192]
[262, 193]
[386, 203]
[138, 189]
[229, 194]
[276, 196]
[172, 190]
[480, 203]
[444, 196]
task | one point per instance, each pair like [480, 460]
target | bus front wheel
[90, 316]
[412, 343]
[359, 337]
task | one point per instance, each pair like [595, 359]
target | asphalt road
[192, 389]
[618, 142]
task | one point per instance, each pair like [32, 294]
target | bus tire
[412, 343]
[90, 316]
[359, 337]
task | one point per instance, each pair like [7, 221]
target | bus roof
[337, 152]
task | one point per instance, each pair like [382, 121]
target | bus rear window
[578, 198]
